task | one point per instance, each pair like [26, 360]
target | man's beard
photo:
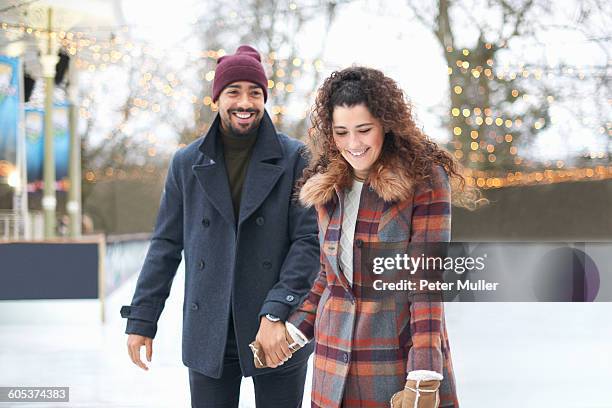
[240, 132]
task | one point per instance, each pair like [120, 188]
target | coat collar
[389, 183]
[212, 175]
[261, 175]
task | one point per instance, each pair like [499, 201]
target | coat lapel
[212, 176]
[261, 175]
[333, 234]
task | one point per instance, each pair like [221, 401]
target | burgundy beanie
[244, 65]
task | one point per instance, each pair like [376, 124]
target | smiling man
[251, 251]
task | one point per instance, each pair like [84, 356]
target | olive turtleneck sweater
[237, 151]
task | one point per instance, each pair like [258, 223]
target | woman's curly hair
[405, 148]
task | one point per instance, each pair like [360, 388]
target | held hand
[134, 343]
[417, 394]
[271, 340]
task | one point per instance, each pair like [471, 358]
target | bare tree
[128, 146]
[494, 113]
[273, 27]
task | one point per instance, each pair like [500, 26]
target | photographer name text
[424, 284]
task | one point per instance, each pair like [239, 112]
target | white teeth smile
[357, 153]
[243, 115]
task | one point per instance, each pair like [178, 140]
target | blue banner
[9, 113]
[61, 140]
[35, 131]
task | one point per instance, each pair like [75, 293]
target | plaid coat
[365, 345]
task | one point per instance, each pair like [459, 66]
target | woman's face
[359, 136]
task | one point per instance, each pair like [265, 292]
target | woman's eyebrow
[358, 126]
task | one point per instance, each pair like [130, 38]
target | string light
[119, 50]
[488, 180]
[490, 148]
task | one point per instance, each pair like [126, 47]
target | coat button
[266, 264]
[359, 243]
[260, 221]
[289, 298]
[201, 264]
[206, 222]
[194, 306]
[345, 357]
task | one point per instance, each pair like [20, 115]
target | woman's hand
[417, 394]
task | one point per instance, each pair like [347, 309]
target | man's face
[241, 107]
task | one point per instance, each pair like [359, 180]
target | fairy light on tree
[499, 106]
[486, 129]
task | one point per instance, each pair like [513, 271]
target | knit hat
[244, 65]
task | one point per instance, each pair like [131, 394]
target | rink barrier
[86, 268]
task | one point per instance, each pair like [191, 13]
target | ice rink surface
[506, 355]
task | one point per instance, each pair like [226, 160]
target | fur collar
[390, 185]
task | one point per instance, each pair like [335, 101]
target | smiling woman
[359, 137]
[363, 125]
[374, 176]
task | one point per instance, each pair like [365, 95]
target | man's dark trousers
[276, 389]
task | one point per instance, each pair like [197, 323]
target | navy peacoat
[264, 262]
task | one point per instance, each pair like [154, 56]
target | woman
[374, 177]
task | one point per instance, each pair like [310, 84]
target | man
[251, 251]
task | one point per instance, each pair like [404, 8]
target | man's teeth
[243, 115]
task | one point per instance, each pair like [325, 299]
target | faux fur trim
[424, 375]
[320, 188]
[390, 185]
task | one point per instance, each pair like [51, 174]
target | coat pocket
[376, 324]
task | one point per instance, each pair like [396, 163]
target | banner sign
[35, 131]
[9, 113]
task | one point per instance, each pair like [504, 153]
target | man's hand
[134, 343]
[273, 342]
